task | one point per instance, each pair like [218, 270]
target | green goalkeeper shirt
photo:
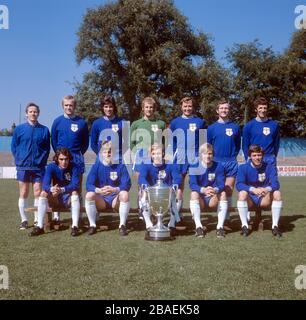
[144, 132]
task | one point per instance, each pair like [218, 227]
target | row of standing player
[71, 131]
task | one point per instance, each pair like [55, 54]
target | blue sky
[37, 60]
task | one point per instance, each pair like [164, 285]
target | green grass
[105, 266]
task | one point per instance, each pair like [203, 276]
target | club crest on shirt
[211, 176]
[162, 174]
[113, 175]
[266, 131]
[68, 176]
[192, 126]
[229, 132]
[74, 127]
[154, 127]
[261, 177]
[115, 127]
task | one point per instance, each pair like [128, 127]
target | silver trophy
[159, 198]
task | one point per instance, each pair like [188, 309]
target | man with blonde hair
[207, 190]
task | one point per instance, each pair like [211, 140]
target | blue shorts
[78, 160]
[184, 164]
[270, 159]
[109, 199]
[230, 168]
[62, 200]
[205, 199]
[255, 199]
[30, 176]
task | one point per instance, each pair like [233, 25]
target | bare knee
[123, 196]
[44, 194]
[242, 196]
[223, 196]
[194, 195]
[277, 196]
[90, 196]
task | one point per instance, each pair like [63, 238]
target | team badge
[192, 126]
[266, 131]
[162, 174]
[74, 127]
[229, 132]
[68, 176]
[211, 177]
[115, 127]
[113, 176]
[154, 127]
[261, 177]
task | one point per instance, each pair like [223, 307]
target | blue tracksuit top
[115, 131]
[264, 133]
[248, 176]
[169, 173]
[64, 178]
[31, 146]
[212, 177]
[226, 140]
[70, 133]
[115, 175]
[190, 127]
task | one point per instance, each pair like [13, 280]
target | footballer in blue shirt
[207, 190]
[148, 176]
[60, 189]
[186, 140]
[30, 147]
[258, 186]
[262, 131]
[225, 137]
[107, 186]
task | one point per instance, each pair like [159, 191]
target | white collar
[109, 119]
[67, 117]
[185, 117]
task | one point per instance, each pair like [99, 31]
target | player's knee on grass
[242, 196]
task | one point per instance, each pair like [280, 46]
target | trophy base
[158, 235]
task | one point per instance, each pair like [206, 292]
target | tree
[140, 48]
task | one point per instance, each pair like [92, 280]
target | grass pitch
[105, 266]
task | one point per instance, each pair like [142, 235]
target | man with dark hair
[108, 127]
[262, 131]
[60, 187]
[30, 148]
[258, 185]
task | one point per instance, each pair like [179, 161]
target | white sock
[249, 216]
[276, 209]
[146, 214]
[75, 210]
[171, 223]
[242, 207]
[196, 212]
[42, 209]
[179, 205]
[124, 209]
[91, 211]
[35, 212]
[22, 204]
[56, 216]
[230, 204]
[222, 212]
[174, 209]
